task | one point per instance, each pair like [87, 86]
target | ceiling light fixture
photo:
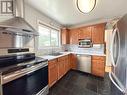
[85, 6]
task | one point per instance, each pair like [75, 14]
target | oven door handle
[20, 73]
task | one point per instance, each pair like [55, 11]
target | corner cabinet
[98, 33]
[98, 65]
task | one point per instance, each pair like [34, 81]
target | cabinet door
[85, 33]
[67, 65]
[73, 36]
[53, 72]
[61, 69]
[98, 68]
[98, 33]
[73, 61]
[65, 36]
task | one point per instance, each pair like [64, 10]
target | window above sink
[48, 37]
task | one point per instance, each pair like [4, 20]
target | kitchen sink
[56, 54]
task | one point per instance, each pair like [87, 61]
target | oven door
[34, 83]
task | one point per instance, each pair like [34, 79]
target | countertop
[51, 57]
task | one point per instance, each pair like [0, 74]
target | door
[73, 36]
[84, 63]
[118, 74]
[85, 33]
[30, 84]
[53, 73]
[98, 33]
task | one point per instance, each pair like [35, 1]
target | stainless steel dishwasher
[84, 63]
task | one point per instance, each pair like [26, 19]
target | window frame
[51, 28]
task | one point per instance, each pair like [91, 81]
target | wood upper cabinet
[98, 65]
[85, 33]
[98, 33]
[74, 36]
[65, 36]
[52, 72]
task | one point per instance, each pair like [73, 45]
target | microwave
[85, 43]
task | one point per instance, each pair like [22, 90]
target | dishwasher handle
[78, 55]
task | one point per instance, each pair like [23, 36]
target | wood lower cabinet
[73, 61]
[67, 64]
[63, 66]
[98, 65]
[61, 69]
[52, 72]
[57, 68]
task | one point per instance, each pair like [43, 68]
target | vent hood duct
[18, 23]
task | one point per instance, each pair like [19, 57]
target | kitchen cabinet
[94, 32]
[57, 68]
[61, 69]
[98, 33]
[67, 64]
[62, 66]
[65, 36]
[52, 72]
[74, 36]
[85, 33]
[73, 61]
[98, 65]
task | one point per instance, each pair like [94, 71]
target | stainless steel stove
[23, 74]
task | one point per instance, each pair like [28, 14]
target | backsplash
[50, 50]
[97, 48]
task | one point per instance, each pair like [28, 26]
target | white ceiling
[66, 13]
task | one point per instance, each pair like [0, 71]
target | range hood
[18, 23]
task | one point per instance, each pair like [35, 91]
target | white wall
[108, 37]
[4, 17]
[32, 16]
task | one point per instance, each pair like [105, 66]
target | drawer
[102, 58]
[63, 58]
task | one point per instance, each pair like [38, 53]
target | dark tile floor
[77, 83]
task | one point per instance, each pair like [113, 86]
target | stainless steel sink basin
[56, 54]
